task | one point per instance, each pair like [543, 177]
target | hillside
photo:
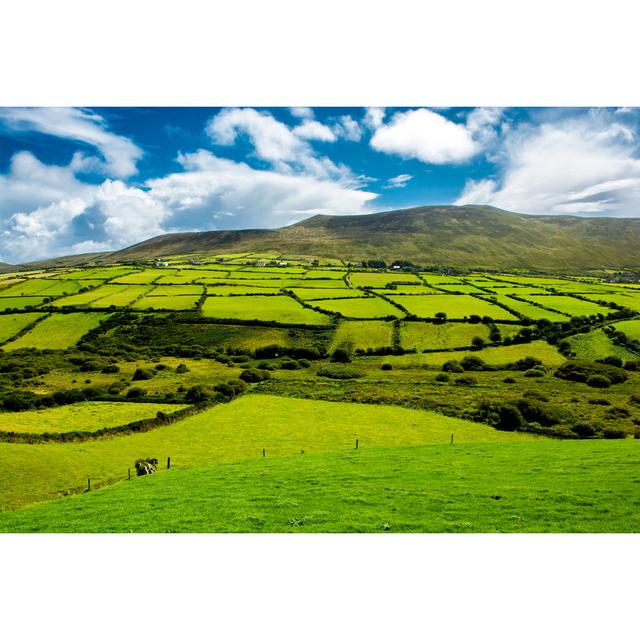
[469, 236]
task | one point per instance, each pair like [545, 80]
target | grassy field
[372, 307]
[519, 487]
[372, 279]
[58, 331]
[595, 345]
[275, 308]
[491, 355]
[425, 335]
[628, 300]
[629, 327]
[455, 306]
[172, 303]
[323, 294]
[363, 334]
[83, 416]
[12, 324]
[530, 310]
[235, 431]
[568, 305]
[19, 303]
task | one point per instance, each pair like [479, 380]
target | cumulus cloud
[304, 113]
[348, 128]
[214, 192]
[118, 154]
[585, 165]
[398, 182]
[314, 130]
[373, 117]
[274, 142]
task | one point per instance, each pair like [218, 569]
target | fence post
[168, 463]
[88, 484]
[264, 453]
[129, 478]
[356, 443]
[452, 438]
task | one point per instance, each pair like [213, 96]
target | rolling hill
[459, 236]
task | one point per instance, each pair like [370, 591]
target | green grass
[235, 431]
[524, 487]
[567, 304]
[491, 355]
[41, 287]
[19, 303]
[372, 279]
[120, 295]
[173, 303]
[323, 294]
[12, 324]
[58, 331]
[425, 335]
[372, 307]
[177, 290]
[595, 345]
[82, 416]
[628, 300]
[239, 290]
[530, 310]
[455, 306]
[631, 328]
[266, 308]
[363, 334]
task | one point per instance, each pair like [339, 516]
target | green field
[519, 487]
[172, 303]
[19, 303]
[530, 310]
[568, 305]
[363, 334]
[58, 331]
[266, 308]
[425, 335]
[455, 306]
[631, 328]
[83, 416]
[369, 279]
[595, 345]
[323, 294]
[371, 307]
[628, 300]
[12, 324]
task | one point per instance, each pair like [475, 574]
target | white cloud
[248, 198]
[81, 125]
[426, 136]
[348, 128]
[373, 117]
[398, 182]
[314, 130]
[304, 113]
[584, 165]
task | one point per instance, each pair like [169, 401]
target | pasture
[12, 324]
[451, 335]
[454, 306]
[369, 307]
[362, 334]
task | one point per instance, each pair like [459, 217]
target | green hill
[468, 236]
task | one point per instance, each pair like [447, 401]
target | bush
[632, 365]
[386, 366]
[473, 363]
[598, 381]
[534, 373]
[614, 361]
[254, 375]
[525, 363]
[182, 368]
[291, 365]
[536, 395]
[111, 368]
[584, 429]
[136, 392]
[510, 418]
[142, 374]
[466, 380]
[340, 372]
[341, 355]
[536, 411]
[613, 434]
[581, 370]
[452, 366]
[442, 377]
[509, 380]
[197, 393]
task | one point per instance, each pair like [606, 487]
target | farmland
[254, 371]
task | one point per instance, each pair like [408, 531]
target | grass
[266, 308]
[363, 334]
[323, 294]
[530, 310]
[372, 279]
[520, 487]
[628, 300]
[10, 325]
[425, 335]
[19, 303]
[120, 295]
[596, 344]
[455, 306]
[372, 307]
[58, 331]
[172, 303]
[235, 431]
[42, 287]
[178, 290]
[569, 305]
[491, 355]
[82, 416]
[631, 328]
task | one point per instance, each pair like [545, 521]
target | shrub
[614, 361]
[341, 355]
[584, 429]
[536, 395]
[613, 434]
[632, 365]
[142, 374]
[442, 377]
[197, 393]
[581, 370]
[472, 363]
[466, 380]
[534, 373]
[525, 363]
[386, 366]
[600, 401]
[536, 411]
[291, 365]
[254, 375]
[304, 363]
[340, 372]
[510, 418]
[452, 366]
[136, 392]
[477, 342]
[111, 368]
[617, 413]
[182, 368]
[598, 381]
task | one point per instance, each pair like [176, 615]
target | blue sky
[76, 180]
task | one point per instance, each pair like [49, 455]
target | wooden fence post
[356, 443]
[452, 438]
[168, 463]
[264, 453]
[129, 478]
[88, 484]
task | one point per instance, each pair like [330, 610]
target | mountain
[461, 236]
